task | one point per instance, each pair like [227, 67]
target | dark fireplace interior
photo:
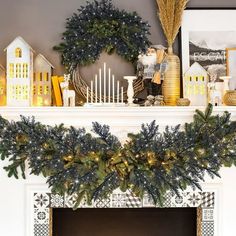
[125, 222]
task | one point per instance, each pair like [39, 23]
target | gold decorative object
[170, 14]
[230, 98]
[171, 83]
[183, 102]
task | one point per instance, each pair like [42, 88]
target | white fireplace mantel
[122, 120]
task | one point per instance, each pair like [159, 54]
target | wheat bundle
[170, 14]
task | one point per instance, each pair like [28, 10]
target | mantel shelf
[120, 117]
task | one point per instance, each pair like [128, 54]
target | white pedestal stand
[130, 91]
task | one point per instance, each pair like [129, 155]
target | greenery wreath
[75, 162]
[98, 27]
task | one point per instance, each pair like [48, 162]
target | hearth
[125, 222]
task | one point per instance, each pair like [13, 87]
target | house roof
[194, 66]
[22, 40]
[45, 59]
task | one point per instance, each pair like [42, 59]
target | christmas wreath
[75, 162]
[98, 27]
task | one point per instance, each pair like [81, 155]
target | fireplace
[125, 222]
[194, 209]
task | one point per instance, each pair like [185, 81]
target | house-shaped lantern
[42, 83]
[195, 85]
[2, 86]
[19, 73]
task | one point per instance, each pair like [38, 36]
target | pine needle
[170, 14]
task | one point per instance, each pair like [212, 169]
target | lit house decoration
[2, 86]
[195, 85]
[42, 83]
[19, 73]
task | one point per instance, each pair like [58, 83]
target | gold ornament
[21, 138]
[46, 145]
[151, 157]
[201, 151]
[68, 158]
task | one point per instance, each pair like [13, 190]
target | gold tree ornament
[68, 158]
[21, 139]
[170, 14]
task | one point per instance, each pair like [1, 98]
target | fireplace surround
[42, 203]
[25, 216]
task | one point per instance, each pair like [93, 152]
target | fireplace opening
[125, 222]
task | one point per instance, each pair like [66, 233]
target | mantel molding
[116, 117]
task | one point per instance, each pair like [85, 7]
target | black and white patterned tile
[193, 199]
[147, 201]
[208, 200]
[41, 230]
[41, 200]
[41, 216]
[132, 201]
[179, 201]
[208, 229]
[57, 201]
[207, 214]
[102, 203]
[70, 200]
[118, 199]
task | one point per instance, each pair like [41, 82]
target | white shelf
[124, 118]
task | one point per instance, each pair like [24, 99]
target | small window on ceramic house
[18, 52]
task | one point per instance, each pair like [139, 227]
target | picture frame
[205, 34]
[231, 66]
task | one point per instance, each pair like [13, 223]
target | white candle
[113, 88]
[91, 91]
[100, 85]
[118, 91]
[122, 95]
[87, 95]
[96, 88]
[105, 78]
[109, 86]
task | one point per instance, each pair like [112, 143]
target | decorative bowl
[230, 98]
[183, 102]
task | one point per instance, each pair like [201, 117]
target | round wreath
[98, 27]
[151, 162]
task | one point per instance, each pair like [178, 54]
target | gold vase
[171, 84]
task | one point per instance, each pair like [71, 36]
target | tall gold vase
[171, 84]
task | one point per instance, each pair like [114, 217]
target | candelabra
[110, 95]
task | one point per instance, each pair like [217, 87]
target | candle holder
[98, 97]
[130, 91]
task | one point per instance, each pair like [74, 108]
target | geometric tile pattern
[208, 214]
[132, 201]
[41, 229]
[41, 213]
[57, 201]
[42, 203]
[208, 200]
[208, 228]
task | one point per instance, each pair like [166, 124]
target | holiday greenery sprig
[98, 27]
[75, 162]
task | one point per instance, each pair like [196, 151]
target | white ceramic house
[195, 85]
[42, 83]
[2, 86]
[19, 73]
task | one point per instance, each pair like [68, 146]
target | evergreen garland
[98, 27]
[150, 162]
